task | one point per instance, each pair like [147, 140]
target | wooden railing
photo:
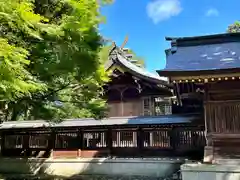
[139, 141]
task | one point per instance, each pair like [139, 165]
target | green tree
[235, 27]
[50, 64]
[104, 53]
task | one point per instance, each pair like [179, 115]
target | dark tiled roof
[167, 119]
[215, 56]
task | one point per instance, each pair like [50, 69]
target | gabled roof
[203, 53]
[156, 120]
[117, 57]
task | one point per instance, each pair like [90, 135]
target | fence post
[26, 139]
[51, 145]
[140, 140]
[173, 138]
[80, 141]
[109, 141]
[2, 143]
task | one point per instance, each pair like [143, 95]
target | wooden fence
[123, 142]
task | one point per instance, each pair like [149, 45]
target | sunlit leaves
[15, 80]
[234, 28]
[50, 52]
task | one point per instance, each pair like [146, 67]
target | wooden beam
[226, 135]
[206, 78]
[225, 101]
[230, 91]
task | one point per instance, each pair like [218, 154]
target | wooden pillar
[173, 138]
[208, 150]
[2, 143]
[122, 104]
[52, 141]
[109, 141]
[151, 138]
[135, 136]
[26, 138]
[80, 141]
[119, 139]
[140, 140]
[208, 125]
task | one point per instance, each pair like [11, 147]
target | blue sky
[148, 22]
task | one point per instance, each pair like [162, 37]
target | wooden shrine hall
[207, 68]
[133, 91]
[142, 121]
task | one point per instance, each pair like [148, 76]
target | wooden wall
[222, 107]
[223, 90]
[125, 94]
[222, 117]
[125, 108]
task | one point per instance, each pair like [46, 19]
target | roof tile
[165, 119]
[205, 57]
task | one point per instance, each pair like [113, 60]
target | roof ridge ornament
[124, 42]
[120, 48]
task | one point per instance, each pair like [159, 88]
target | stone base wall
[152, 167]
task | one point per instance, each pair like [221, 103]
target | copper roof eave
[211, 36]
[203, 76]
[137, 74]
[165, 83]
[117, 121]
[172, 73]
[205, 40]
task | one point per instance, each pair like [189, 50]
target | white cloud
[212, 12]
[160, 10]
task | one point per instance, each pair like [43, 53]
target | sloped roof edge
[117, 57]
[210, 36]
[140, 71]
[81, 122]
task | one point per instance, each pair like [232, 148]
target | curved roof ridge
[116, 55]
[141, 71]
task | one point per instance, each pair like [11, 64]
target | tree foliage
[50, 64]
[104, 53]
[235, 27]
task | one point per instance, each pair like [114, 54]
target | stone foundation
[70, 168]
[210, 172]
